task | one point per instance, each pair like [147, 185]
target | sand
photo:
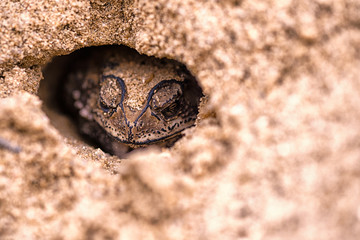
[275, 153]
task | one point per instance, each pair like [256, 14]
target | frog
[123, 100]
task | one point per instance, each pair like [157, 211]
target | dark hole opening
[114, 98]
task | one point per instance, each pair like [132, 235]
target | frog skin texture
[123, 100]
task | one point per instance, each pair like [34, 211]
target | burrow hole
[114, 98]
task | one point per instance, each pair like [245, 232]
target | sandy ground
[276, 150]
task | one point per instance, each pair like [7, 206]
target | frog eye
[166, 99]
[111, 93]
[172, 110]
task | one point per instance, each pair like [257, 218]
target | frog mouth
[166, 140]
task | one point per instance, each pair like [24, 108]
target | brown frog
[124, 100]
